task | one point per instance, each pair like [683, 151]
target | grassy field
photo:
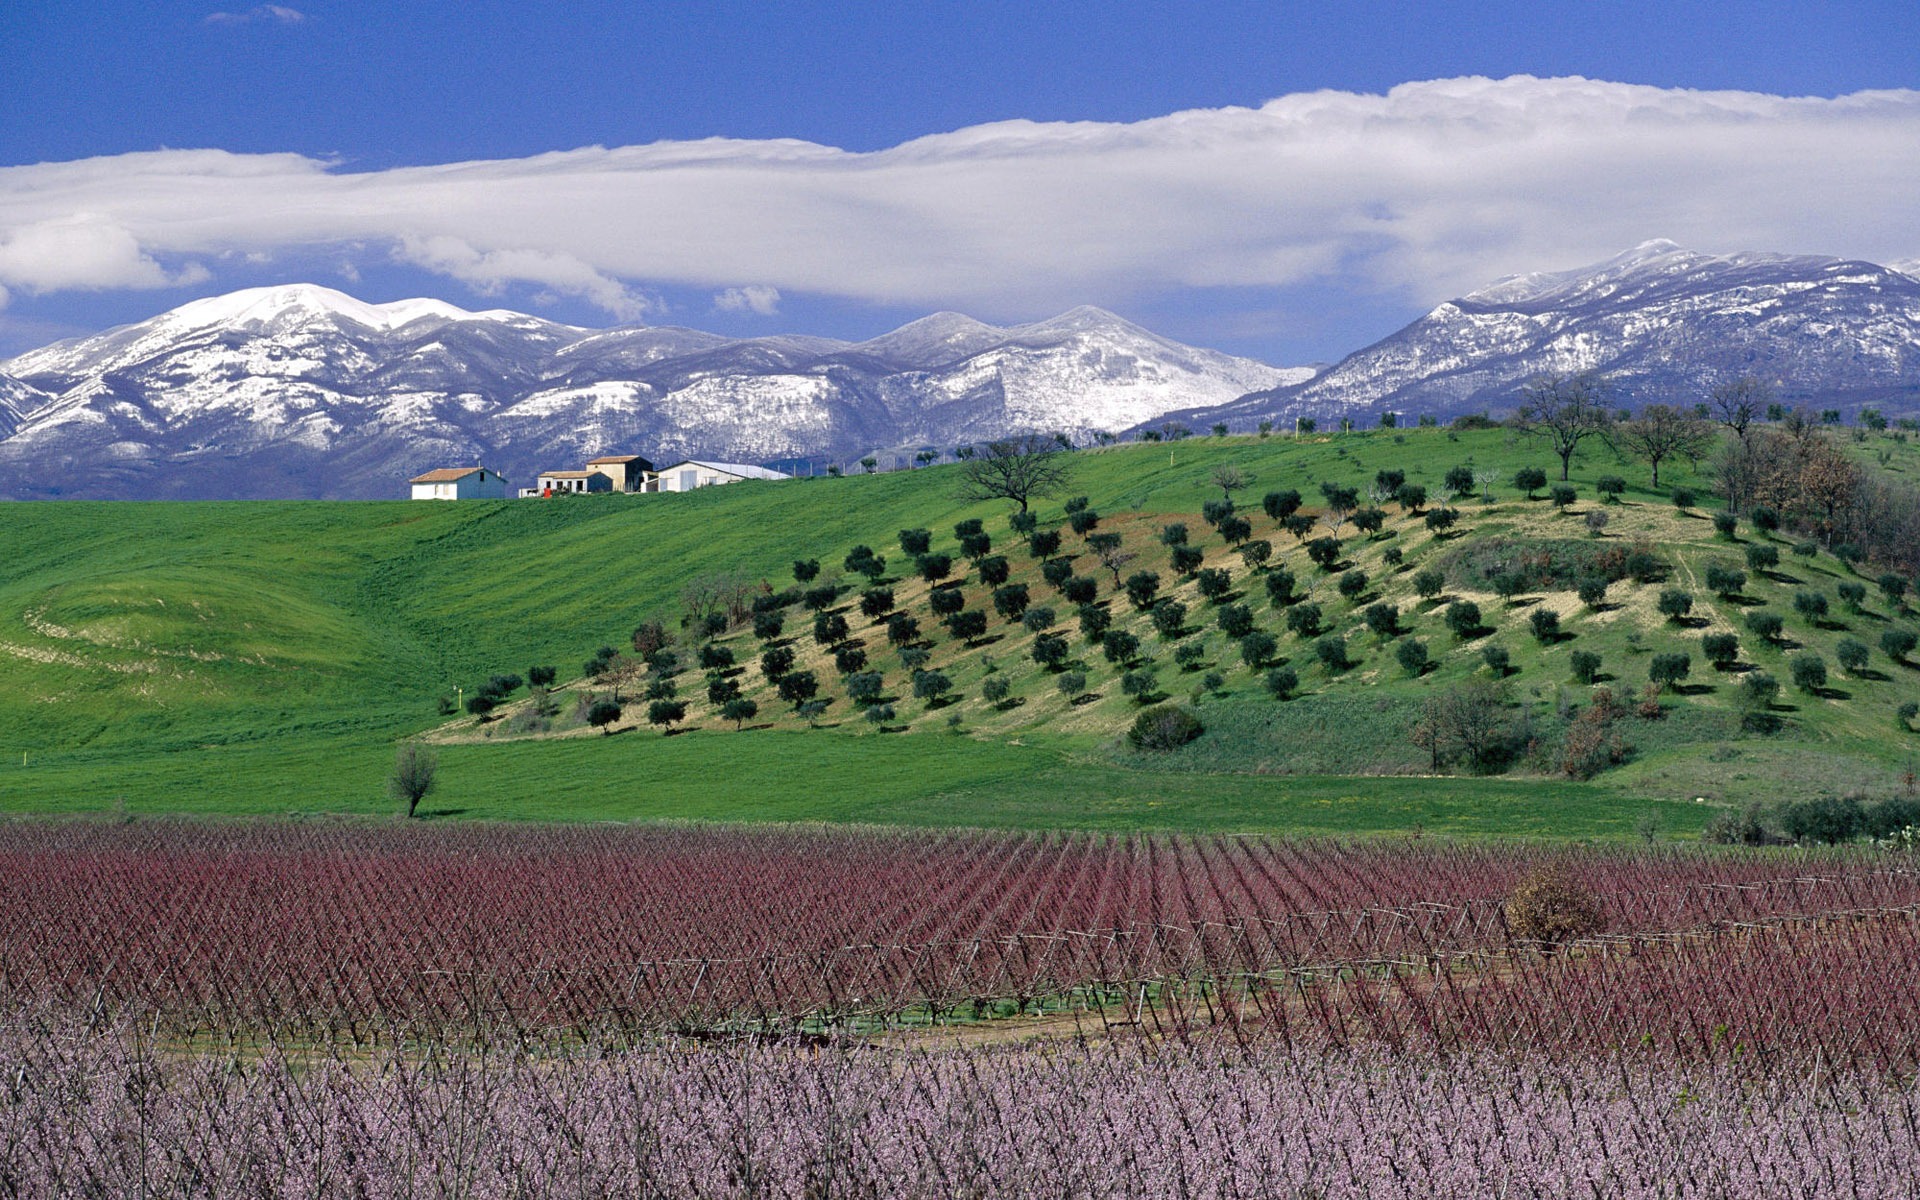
[266, 657]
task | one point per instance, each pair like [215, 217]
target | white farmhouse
[695, 473]
[459, 483]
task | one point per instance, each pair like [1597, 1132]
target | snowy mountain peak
[255, 306]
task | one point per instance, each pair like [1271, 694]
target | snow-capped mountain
[1665, 324]
[304, 391]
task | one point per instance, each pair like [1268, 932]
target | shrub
[1597, 522]
[1214, 583]
[1585, 665]
[1383, 620]
[1011, 601]
[1174, 534]
[805, 570]
[1852, 655]
[1757, 690]
[1530, 480]
[601, 714]
[1562, 495]
[1670, 668]
[1463, 618]
[1094, 622]
[1744, 828]
[994, 689]
[1498, 660]
[1257, 648]
[1809, 672]
[1549, 906]
[1767, 624]
[1429, 583]
[1907, 712]
[1853, 594]
[1806, 549]
[1187, 559]
[993, 570]
[1592, 591]
[1332, 652]
[1282, 683]
[1189, 655]
[1509, 585]
[1071, 683]
[1725, 524]
[1724, 580]
[1683, 497]
[1412, 656]
[1764, 519]
[776, 661]
[1169, 618]
[865, 687]
[1392, 556]
[1892, 587]
[1610, 486]
[1164, 727]
[1142, 587]
[1675, 603]
[1762, 558]
[916, 542]
[739, 710]
[1353, 584]
[1545, 624]
[1049, 650]
[1280, 588]
[1720, 649]
[1303, 620]
[1037, 619]
[880, 714]
[1235, 620]
[480, 704]
[798, 687]
[1898, 643]
[1140, 684]
[715, 658]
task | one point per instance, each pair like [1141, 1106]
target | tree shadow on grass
[428, 814]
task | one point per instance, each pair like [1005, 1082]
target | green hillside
[266, 657]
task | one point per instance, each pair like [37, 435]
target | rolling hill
[266, 657]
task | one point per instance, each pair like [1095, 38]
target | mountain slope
[304, 391]
[1664, 322]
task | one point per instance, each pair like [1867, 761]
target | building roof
[608, 460]
[445, 475]
[743, 470]
[566, 474]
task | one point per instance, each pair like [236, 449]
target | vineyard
[338, 1008]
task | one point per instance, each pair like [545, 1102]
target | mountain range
[301, 391]
[1663, 323]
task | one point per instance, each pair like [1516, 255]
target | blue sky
[326, 111]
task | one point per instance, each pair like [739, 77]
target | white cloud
[754, 298]
[278, 14]
[85, 251]
[1429, 190]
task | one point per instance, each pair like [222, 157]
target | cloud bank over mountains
[1425, 191]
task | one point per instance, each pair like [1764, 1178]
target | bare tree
[1660, 432]
[1114, 557]
[1018, 469]
[1566, 410]
[414, 766]
[1738, 403]
[1230, 479]
[1470, 718]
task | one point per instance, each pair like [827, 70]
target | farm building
[629, 472]
[694, 473]
[556, 483]
[459, 483]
